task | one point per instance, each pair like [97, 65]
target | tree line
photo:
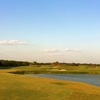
[12, 63]
[64, 63]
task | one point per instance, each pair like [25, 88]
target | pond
[86, 78]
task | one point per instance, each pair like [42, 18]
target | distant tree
[35, 63]
[55, 63]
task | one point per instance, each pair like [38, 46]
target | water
[87, 78]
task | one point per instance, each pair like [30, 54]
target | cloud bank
[12, 42]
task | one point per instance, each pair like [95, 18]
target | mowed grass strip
[20, 87]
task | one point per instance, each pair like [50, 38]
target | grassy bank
[61, 69]
[19, 87]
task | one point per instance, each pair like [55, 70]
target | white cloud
[72, 50]
[51, 50]
[12, 42]
[61, 50]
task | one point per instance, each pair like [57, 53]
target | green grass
[17, 87]
[20, 87]
[57, 69]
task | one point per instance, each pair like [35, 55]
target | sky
[50, 30]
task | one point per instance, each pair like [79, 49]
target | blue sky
[50, 30]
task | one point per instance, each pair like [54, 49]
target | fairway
[20, 87]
